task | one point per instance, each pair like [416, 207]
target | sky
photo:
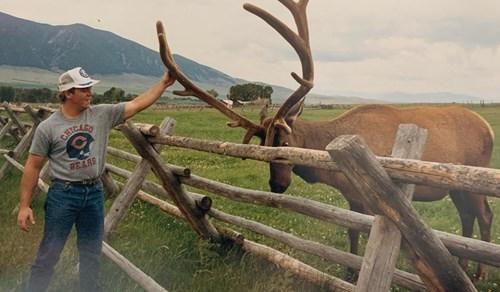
[364, 47]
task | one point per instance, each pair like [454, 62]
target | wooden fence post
[6, 128]
[110, 186]
[127, 196]
[382, 249]
[13, 117]
[8, 125]
[170, 182]
[34, 115]
[19, 150]
[372, 182]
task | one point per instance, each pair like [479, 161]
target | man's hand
[31, 173]
[168, 79]
[23, 216]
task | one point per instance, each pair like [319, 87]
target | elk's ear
[294, 112]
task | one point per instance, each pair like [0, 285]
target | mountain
[58, 48]
[34, 54]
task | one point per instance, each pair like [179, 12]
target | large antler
[190, 89]
[300, 42]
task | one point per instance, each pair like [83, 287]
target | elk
[455, 134]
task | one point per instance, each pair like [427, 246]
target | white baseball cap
[75, 78]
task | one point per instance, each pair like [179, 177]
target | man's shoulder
[48, 122]
[100, 107]
[105, 108]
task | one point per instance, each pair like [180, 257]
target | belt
[88, 182]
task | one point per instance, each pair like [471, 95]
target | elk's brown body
[455, 135]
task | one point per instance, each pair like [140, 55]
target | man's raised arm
[148, 97]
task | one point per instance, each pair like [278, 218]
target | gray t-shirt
[76, 148]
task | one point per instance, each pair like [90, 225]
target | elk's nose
[277, 188]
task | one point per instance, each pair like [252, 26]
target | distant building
[229, 103]
[237, 103]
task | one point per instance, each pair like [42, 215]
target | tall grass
[169, 251]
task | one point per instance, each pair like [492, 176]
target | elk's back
[455, 135]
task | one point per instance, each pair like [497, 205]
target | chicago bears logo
[78, 146]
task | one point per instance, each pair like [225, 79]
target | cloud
[363, 46]
[467, 32]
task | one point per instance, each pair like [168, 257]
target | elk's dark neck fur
[312, 135]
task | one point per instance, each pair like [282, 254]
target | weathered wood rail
[437, 270]
[441, 175]
[474, 249]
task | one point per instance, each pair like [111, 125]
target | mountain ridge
[56, 48]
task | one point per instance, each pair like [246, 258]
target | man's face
[81, 97]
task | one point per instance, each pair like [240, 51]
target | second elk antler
[300, 42]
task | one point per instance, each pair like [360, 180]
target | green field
[169, 251]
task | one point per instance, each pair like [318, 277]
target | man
[74, 140]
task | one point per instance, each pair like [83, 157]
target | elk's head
[278, 130]
[281, 134]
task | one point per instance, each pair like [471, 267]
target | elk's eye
[285, 144]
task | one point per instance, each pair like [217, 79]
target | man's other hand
[25, 214]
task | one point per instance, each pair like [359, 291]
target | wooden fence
[396, 220]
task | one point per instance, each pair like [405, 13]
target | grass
[169, 251]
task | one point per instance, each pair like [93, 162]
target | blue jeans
[69, 204]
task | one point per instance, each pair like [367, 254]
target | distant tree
[267, 91]
[36, 95]
[27, 94]
[114, 94]
[213, 92]
[249, 92]
[7, 93]
[97, 98]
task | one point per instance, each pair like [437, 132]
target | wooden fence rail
[470, 248]
[145, 281]
[442, 175]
